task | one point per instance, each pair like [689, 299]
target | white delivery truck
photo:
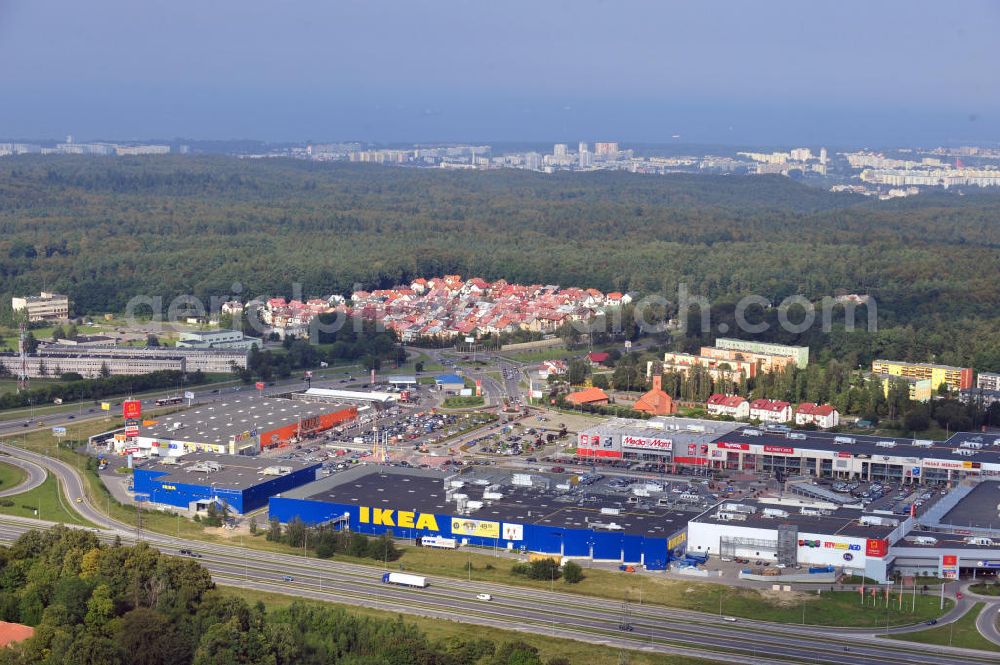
[403, 579]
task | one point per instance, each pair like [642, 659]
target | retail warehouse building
[679, 442]
[239, 426]
[242, 483]
[517, 512]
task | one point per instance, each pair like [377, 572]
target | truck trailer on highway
[402, 579]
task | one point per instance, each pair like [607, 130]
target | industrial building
[217, 339]
[517, 512]
[241, 426]
[210, 361]
[87, 364]
[244, 484]
[366, 398]
[43, 307]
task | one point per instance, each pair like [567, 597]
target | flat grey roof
[843, 521]
[238, 472]
[979, 509]
[215, 422]
[866, 444]
[426, 493]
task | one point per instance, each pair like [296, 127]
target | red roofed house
[656, 402]
[823, 416]
[597, 358]
[11, 633]
[770, 411]
[588, 396]
[728, 405]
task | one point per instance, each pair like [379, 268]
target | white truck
[402, 579]
[438, 541]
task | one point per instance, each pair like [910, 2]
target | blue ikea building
[412, 505]
[243, 483]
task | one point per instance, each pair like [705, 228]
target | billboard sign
[733, 446]
[584, 441]
[876, 547]
[132, 409]
[949, 464]
[463, 526]
[105, 406]
[647, 442]
[58, 431]
[131, 432]
[259, 385]
[779, 450]
[513, 531]
[188, 394]
[949, 566]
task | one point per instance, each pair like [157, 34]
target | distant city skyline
[846, 73]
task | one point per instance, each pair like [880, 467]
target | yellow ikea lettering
[383, 516]
[406, 519]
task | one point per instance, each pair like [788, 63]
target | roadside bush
[572, 572]
[541, 569]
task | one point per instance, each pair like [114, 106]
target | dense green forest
[94, 604]
[105, 230]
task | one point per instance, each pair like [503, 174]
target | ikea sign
[406, 519]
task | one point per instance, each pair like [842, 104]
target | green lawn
[44, 502]
[10, 385]
[538, 355]
[436, 629]
[11, 476]
[961, 633]
[986, 588]
[463, 402]
[841, 608]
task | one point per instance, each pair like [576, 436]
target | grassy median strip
[438, 629]
[11, 476]
[45, 502]
[961, 633]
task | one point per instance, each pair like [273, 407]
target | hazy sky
[767, 71]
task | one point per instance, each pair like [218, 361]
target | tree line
[97, 604]
[931, 262]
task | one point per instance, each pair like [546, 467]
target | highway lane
[663, 628]
[663, 623]
[36, 476]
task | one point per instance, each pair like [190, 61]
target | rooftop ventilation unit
[205, 467]
[276, 471]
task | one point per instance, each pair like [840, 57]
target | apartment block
[956, 378]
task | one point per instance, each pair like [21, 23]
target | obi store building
[515, 517]
[241, 426]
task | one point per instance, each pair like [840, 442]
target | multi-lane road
[555, 613]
